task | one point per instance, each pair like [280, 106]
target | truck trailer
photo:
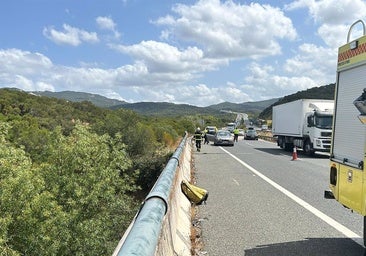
[305, 124]
[347, 157]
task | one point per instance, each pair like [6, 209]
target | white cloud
[23, 62]
[198, 95]
[263, 82]
[70, 35]
[333, 35]
[334, 17]
[160, 57]
[332, 11]
[42, 86]
[107, 23]
[34, 72]
[163, 64]
[317, 63]
[23, 83]
[229, 30]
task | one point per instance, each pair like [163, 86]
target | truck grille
[326, 134]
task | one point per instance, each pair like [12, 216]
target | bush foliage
[72, 174]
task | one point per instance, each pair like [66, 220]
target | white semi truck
[305, 124]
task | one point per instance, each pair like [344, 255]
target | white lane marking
[236, 182]
[338, 226]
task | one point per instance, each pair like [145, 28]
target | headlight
[318, 143]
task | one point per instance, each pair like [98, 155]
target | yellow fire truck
[348, 149]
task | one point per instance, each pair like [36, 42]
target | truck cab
[231, 126]
[318, 131]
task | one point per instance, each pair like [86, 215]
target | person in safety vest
[198, 138]
[236, 134]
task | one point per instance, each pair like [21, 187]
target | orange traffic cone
[294, 154]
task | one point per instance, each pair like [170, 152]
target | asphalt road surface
[261, 202]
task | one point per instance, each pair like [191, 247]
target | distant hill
[171, 109]
[165, 109]
[97, 100]
[250, 107]
[158, 108]
[325, 92]
[261, 108]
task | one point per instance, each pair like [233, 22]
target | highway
[261, 202]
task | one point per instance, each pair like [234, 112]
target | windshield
[324, 121]
[223, 133]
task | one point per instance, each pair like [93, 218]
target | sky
[185, 52]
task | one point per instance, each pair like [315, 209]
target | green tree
[28, 133]
[29, 214]
[78, 202]
[90, 177]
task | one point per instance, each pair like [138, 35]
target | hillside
[325, 92]
[97, 100]
[165, 109]
[171, 109]
[246, 107]
[261, 108]
[159, 108]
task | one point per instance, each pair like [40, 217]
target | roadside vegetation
[73, 175]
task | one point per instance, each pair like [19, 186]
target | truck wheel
[288, 147]
[279, 141]
[283, 144]
[308, 148]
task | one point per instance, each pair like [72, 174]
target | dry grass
[196, 234]
[197, 244]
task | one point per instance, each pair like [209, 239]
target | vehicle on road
[305, 124]
[241, 132]
[224, 138]
[211, 130]
[230, 127]
[264, 127]
[251, 135]
[348, 147]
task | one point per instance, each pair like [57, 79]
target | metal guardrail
[141, 238]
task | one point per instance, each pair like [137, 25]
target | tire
[308, 149]
[286, 146]
[289, 147]
[280, 142]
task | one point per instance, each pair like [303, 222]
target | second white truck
[305, 124]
